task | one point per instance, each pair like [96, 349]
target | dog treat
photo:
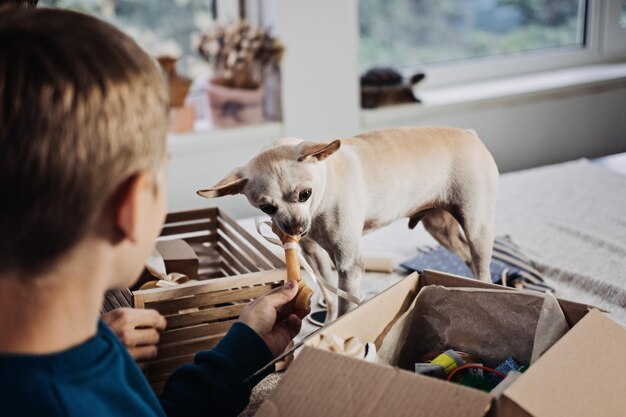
[302, 301]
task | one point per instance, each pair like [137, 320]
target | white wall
[526, 132]
[321, 101]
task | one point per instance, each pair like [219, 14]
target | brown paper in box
[490, 324]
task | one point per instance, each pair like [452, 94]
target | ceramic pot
[235, 106]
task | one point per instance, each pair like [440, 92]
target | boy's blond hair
[82, 110]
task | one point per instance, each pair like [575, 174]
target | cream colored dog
[335, 192]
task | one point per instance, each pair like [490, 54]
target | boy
[138, 329]
[83, 119]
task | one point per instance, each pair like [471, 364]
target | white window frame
[613, 35]
[604, 40]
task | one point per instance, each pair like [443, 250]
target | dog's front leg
[347, 257]
[321, 263]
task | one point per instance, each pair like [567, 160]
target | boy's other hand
[273, 319]
[138, 330]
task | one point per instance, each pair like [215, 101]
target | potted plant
[182, 116]
[239, 54]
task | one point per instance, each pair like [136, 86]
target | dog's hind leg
[447, 231]
[480, 231]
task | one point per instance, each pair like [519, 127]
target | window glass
[159, 26]
[413, 32]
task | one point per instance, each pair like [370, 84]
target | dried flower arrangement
[239, 53]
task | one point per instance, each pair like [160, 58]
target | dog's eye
[268, 208]
[304, 195]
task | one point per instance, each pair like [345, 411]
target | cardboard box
[179, 257]
[583, 374]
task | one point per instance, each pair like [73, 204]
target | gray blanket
[570, 219]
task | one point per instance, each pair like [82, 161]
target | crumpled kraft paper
[490, 324]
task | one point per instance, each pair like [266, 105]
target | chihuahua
[334, 192]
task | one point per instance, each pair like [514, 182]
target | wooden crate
[234, 268]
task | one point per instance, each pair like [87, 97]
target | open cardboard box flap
[581, 375]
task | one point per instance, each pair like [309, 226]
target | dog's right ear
[319, 151]
[232, 184]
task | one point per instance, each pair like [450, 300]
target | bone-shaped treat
[302, 300]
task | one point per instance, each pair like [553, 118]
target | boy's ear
[129, 204]
[232, 184]
[319, 151]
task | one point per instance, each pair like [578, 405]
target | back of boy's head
[27, 4]
[82, 110]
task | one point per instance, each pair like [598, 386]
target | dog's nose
[297, 229]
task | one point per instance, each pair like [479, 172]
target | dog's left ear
[231, 184]
[319, 151]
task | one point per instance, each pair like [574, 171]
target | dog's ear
[232, 184]
[319, 151]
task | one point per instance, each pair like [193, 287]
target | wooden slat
[206, 273]
[204, 316]
[138, 299]
[276, 261]
[189, 347]
[182, 216]
[228, 271]
[205, 251]
[193, 332]
[211, 238]
[107, 304]
[241, 255]
[249, 250]
[112, 300]
[212, 298]
[230, 260]
[169, 230]
[128, 295]
[207, 266]
[210, 273]
[119, 296]
[218, 284]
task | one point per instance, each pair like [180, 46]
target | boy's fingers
[294, 323]
[143, 353]
[139, 337]
[282, 295]
[140, 317]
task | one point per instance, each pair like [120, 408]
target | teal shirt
[99, 378]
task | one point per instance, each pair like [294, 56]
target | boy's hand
[138, 330]
[272, 319]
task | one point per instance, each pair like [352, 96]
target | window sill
[438, 101]
[179, 144]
